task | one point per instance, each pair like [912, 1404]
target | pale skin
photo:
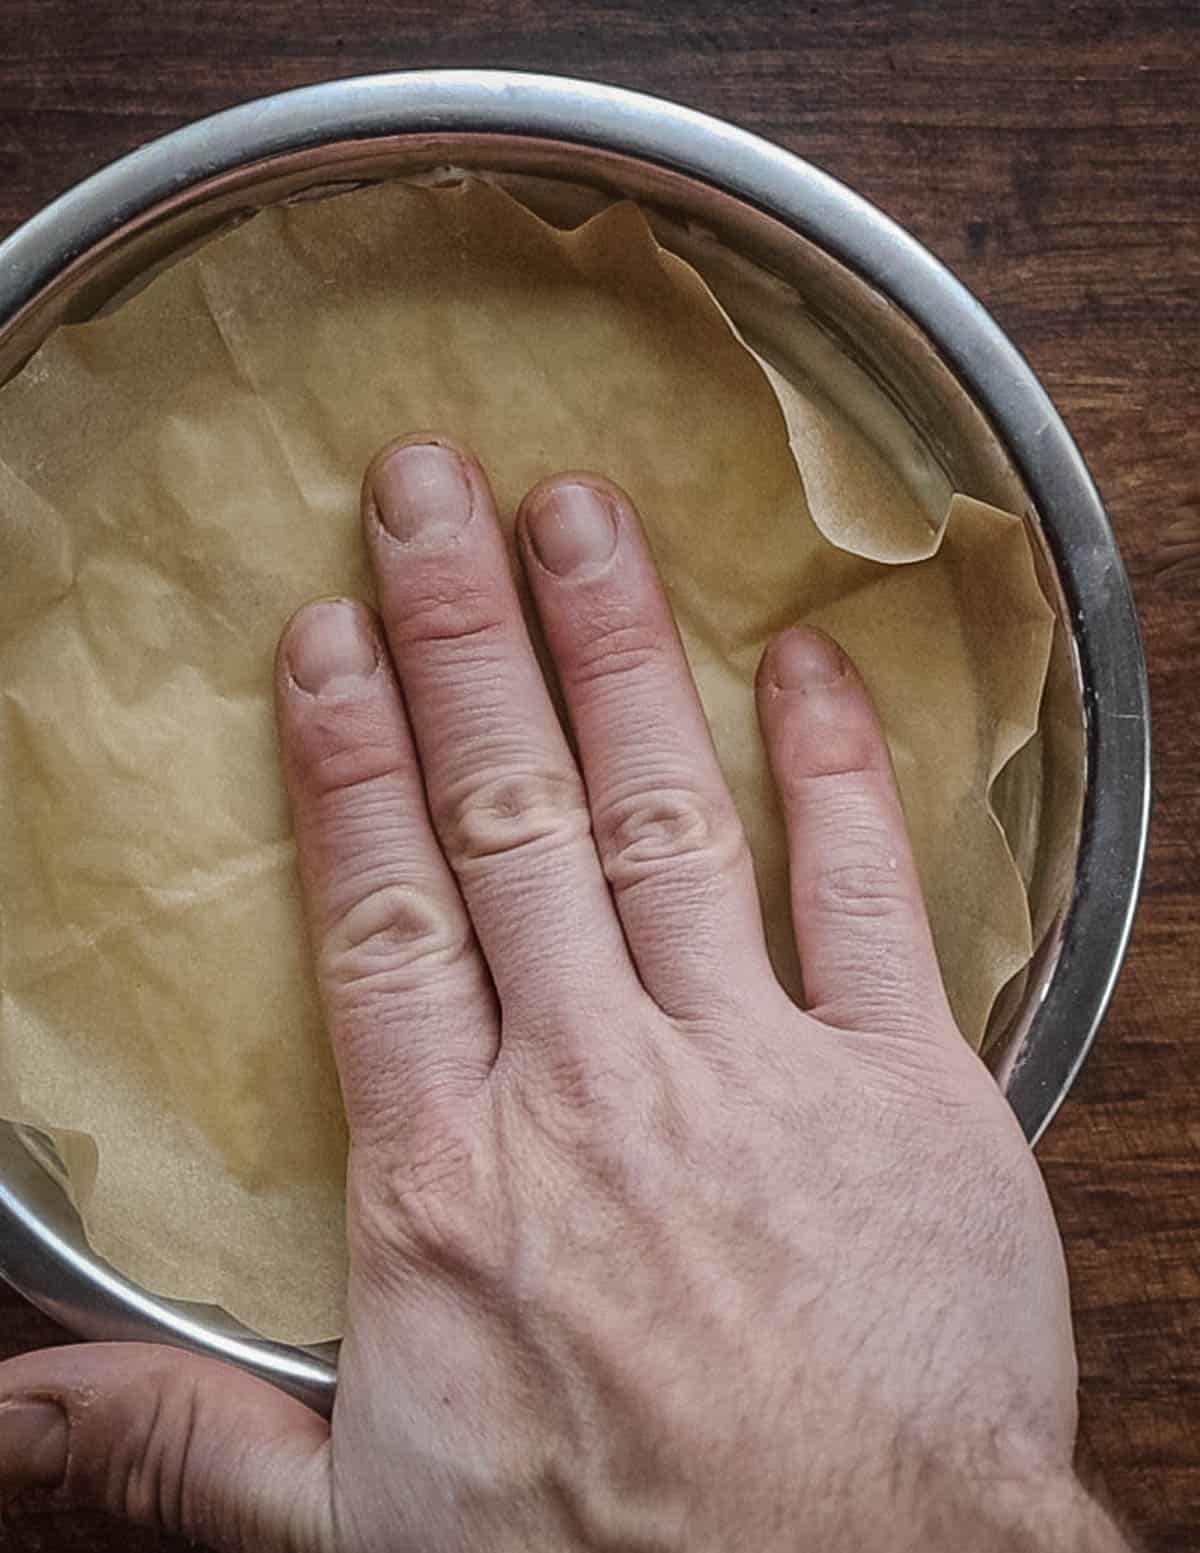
[643, 1256]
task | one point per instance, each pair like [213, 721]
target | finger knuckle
[422, 1205]
[643, 833]
[450, 617]
[577, 1108]
[348, 748]
[862, 887]
[513, 812]
[616, 655]
[144, 1468]
[393, 933]
[819, 762]
[574, 1083]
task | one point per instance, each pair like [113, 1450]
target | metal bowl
[790, 252]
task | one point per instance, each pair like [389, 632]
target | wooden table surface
[1049, 151]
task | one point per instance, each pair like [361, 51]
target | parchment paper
[178, 477]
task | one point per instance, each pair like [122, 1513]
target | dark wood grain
[1050, 152]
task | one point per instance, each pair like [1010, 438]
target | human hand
[642, 1256]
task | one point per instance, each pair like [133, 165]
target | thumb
[167, 1439]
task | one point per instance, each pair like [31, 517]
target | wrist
[1008, 1498]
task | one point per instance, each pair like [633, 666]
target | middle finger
[506, 797]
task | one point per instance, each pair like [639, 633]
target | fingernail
[421, 492]
[572, 526]
[33, 1445]
[802, 660]
[330, 648]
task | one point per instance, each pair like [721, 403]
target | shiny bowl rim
[1106, 638]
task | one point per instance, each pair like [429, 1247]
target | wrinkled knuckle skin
[644, 834]
[861, 888]
[450, 618]
[140, 1466]
[582, 1113]
[615, 655]
[504, 815]
[574, 1086]
[831, 756]
[422, 1206]
[392, 936]
[345, 746]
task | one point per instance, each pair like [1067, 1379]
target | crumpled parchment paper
[176, 478]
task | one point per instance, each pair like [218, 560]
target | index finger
[411, 1012]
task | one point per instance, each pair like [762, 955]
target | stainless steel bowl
[789, 251]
